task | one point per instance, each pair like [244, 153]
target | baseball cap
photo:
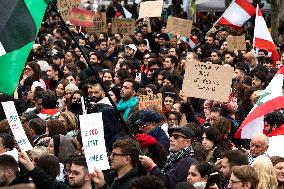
[132, 46]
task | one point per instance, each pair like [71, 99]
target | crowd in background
[188, 143]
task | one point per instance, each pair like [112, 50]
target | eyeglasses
[113, 154]
[146, 125]
[234, 181]
[177, 136]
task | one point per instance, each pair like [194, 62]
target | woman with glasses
[243, 177]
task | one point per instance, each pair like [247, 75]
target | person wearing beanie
[69, 89]
[151, 148]
[149, 123]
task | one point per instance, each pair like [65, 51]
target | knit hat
[145, 140]
[71, 87]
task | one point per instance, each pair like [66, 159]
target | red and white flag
[262, 38]
[191, 41]
[276, 141]
[237, 14]
[270, 100]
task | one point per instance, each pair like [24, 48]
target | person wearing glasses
[149, 122]
[243, 177]
[123, 160]
[179, 160]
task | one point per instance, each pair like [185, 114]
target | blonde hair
[264, 168]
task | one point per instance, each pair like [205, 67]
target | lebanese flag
[192, 42]
[82, 17]
[237, 14]
[276, 141]
[270, 100]
[262, 38]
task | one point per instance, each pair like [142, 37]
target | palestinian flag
[81, 17]
[19, 24]
[270, 100]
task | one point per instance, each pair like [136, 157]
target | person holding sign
[78, 174]
[123, 158]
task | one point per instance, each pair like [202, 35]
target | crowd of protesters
[188, 143]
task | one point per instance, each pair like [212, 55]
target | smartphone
[214, 178]
[138, 76]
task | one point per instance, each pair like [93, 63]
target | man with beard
[123, 159]
[129, 101]
[102, 104]
[79, 176]
[9, 170]
[230, 159]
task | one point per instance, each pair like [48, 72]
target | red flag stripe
[264, 44]
[246, 6]
[261, 110]
[226, 22]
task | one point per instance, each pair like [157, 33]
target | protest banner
[99, 23]
[150, 9]
[65, 7]
[123, 25]
[82, 17]
[179, 26]
[236, 42]
[207, 81]
[16, 126]
[149, 100]
[92, 132]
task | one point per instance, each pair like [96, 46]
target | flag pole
[94, 71]
[257, 7]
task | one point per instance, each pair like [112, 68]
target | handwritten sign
[100, 23]
[123, 25]
[179, 26]
[16, 126]
[92, 132]
[65, 7]
[150, 9]
[149, 100]
[208, 81]
[236, 42]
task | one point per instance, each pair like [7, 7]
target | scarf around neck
[175, 157]
[126, 106]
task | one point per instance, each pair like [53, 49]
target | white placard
[92, 132]
[16, 126]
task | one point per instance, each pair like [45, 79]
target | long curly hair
[265, 171]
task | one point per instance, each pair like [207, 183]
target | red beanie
[145, 140]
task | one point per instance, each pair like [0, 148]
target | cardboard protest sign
[179, 26]
[208, 81]
[16, 126]
[236, 42]
[92, 132]
[99, 23]
[149, 100]
[20, 186]
[150, 9]
[65, 7]
[82, 17]
[123, 25]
